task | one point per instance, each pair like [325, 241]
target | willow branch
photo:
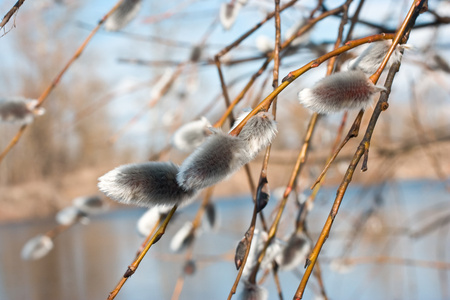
[58, 77]
[132, 268]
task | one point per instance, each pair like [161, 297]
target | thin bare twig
[10, 13]
[58, 77]
[133, 267]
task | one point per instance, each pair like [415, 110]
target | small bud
[211, 216]
[183, 238]
[19, 110]
[294, 252]
[123, 15]
[262, 194]
[196, 53]
[370, 59]
[253, 292]
[189, 267]
[69, 215]
[191, 135]
[340, 91]
[257, 245]
[145, 184]
[90, 205]
[240, 252]
[228, 14]
[37, 248]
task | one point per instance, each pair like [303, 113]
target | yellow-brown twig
[58, 77]
[132, 268]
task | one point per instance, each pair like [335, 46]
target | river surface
[88, 260]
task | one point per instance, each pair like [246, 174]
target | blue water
[88, 260]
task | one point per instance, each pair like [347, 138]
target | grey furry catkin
[258, 133]
[90, 204]
[221, 154]
[370, 59]
[19, 110]
[216, 159]
[145, 184]
[183, 237]
[191, 135]
[37, 247]
[123, 15]
[228, 14]
[294, 252]
[253, 291]
[340, 91]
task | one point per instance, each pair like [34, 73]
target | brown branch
[10, 13]
[56, 80]
[133, 267]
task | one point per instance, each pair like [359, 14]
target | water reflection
[87, 261]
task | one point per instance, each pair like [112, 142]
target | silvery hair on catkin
[145, 184]
[339, 92]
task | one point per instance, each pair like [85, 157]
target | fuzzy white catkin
[145, 184]
[253, 292]
[240, 117]
[221, 154]
[19, 110]
[90, 204]
[68, 215]
[183, 237]
[294, 252]
[258, 133]
[370, 59]
[216, 159]
[150, 218]
[257, 245]
[264, 44]
[191, 135]
[37, 247]
[228, 13]
[123, 15]
[340, 91]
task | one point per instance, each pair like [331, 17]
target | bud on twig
[253, 292]
[262, 194]
[294, 252]
[183, 238]
[70, 215]
[90, 204]
[19, 110]
[37, 247]
[228, 14]
[240, 252]
[123, 15]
